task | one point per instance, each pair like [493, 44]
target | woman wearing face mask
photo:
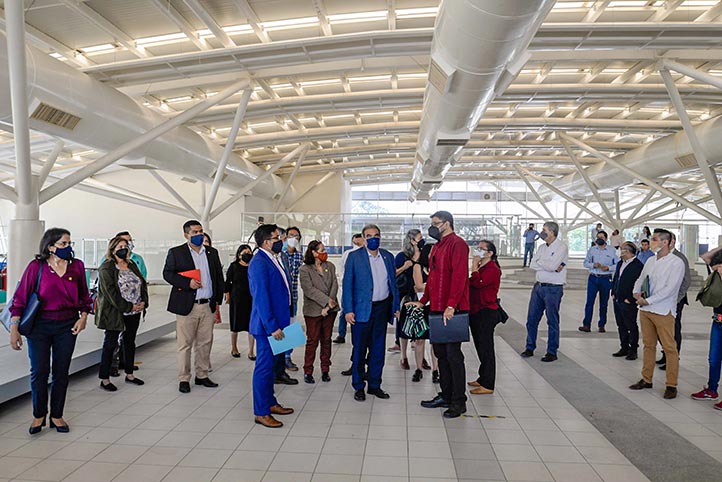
[63, 313]
[484, 313]
[239, 300]
[320, 287]
[122, 298]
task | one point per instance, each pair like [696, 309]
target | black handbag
[454, 331]
[503, 315]
[27, 319]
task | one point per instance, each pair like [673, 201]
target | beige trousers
[658, 326]
[195, 331]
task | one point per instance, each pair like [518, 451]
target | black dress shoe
[436, 402]
[359, 395]
[206, 382]
[584, 328]
[662, 361]
[418, 375]
[134, 381]
[455, 411]
[631, 356]
[109, 387]
[114, 372]
[236, 355]
[347, 373]
[549, 358]
[308, 379]
[339, 340]
[663, 367]
[63, 428]
[602, 329]
[184, 387]
[378, 393]
[285, 380]
[621, 352]
[35, 430]
[527, 353]
[325, 377]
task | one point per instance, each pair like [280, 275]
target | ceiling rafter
[169, 11]
[200, 12]
[322, 15]
[253, 20]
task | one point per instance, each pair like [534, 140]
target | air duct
[479, 46]
[665, 156]
[71, 105]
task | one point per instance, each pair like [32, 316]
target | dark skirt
[240, 312]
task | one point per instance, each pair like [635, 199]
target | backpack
[711, 292]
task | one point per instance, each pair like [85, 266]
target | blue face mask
[197, 240]
[65, 253]
[373, 243]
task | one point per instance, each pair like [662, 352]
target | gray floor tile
[191, 474]
[343, 446]
[239, 475]
[97, 472]
[163, 456]
[50, 470]
[383, 466]
[573, 472]
[249, 460]
[437, 468]
[340, 464]
[478, 469]
[294, 462]
[126, 454]
[526, 471]
[144, 473]
[472, 451]
[207, 458]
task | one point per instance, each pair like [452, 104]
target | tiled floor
[153, 433]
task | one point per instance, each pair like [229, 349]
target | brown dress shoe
[473, 384]
[281, 410]
[670, 393]
[481, 391]
[269, 421]
[405, 364]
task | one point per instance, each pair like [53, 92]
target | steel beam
[178, 19]
[534, 192]
[125, 149]
[50, 162]
[638, 208]
[174, 193]
[206, 18]
[512, 198]
[291, 177]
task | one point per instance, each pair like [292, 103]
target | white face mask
[292, 243]
[480, 252]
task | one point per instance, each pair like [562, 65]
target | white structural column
[223, 161]
[119, 152]
[649, 182]
[50, 162]
[707, 171]
[534, 192]
[26, 227]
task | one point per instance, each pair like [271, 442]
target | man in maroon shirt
[447, 292]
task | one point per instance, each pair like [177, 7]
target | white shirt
[616, 240]
[344, 257]
[279, 266]
[665, 278]
[625, 263]
[380, 276]
[200, 261]
[546, 261]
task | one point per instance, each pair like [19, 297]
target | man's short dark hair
[444, 216]
[356, 236]
[122, 233]
[369, 226]
[716, 259]
[599, 224]
[645, 241]
[604, 233]
[188, 224]
[264, 232]
[294, 228]
[664, 234]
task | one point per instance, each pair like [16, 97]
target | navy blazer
[271, 302]
[358, 286]
[622, 288]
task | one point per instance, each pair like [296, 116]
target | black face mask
[420, 243]
[600, 242]
[435, 233]
[543, 235]
[122, 253]
[246, 257]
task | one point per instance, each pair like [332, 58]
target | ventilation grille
[686, 161]
[56, 117]
[458, 142]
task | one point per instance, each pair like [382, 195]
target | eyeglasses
[64, 244]
[438, 224]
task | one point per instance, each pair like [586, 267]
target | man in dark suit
[370, 301]
[270, 314]
[625, 306]
[194, 302]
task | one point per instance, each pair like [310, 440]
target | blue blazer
[271, 303]
[358, 286]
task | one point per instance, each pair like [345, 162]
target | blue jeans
[544, 299]
[50, 339]
[370, 336]
[715, 355]
[603, 286]
[342, 325]
[528, 250]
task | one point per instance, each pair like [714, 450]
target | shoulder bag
[31, 309]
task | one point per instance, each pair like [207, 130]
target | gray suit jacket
[318, 287]
[687, 280]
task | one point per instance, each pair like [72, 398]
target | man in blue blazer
[370, 301]
[270, 314]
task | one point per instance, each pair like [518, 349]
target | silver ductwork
[665, 156]
[69, 104]
[479, 46]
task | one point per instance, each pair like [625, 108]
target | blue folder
[294, 337]
[453, 331]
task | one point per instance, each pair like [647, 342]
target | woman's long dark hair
[240, 249]
[50, 237]
[207, 237]
[308, 258]
[490, 246]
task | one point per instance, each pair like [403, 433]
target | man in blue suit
[270, 314]
[370, 301]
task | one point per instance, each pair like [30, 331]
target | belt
[600, 275]
[546, 285]
[381, 301]
[202, 301]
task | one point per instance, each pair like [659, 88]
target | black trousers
[678, 325]
[482, 326]
[110, 343]
[452, 373]
[626, 316]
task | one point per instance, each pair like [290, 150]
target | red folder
[192, 274]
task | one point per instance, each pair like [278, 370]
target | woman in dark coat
[238, 298]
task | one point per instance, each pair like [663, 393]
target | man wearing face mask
[293, 260]
[447, 292]
[549, 262]
[270, 314]
[600, 261]
[357, 242]
[370, 303]
[625, 306]
[194, 302]
[656, 293]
